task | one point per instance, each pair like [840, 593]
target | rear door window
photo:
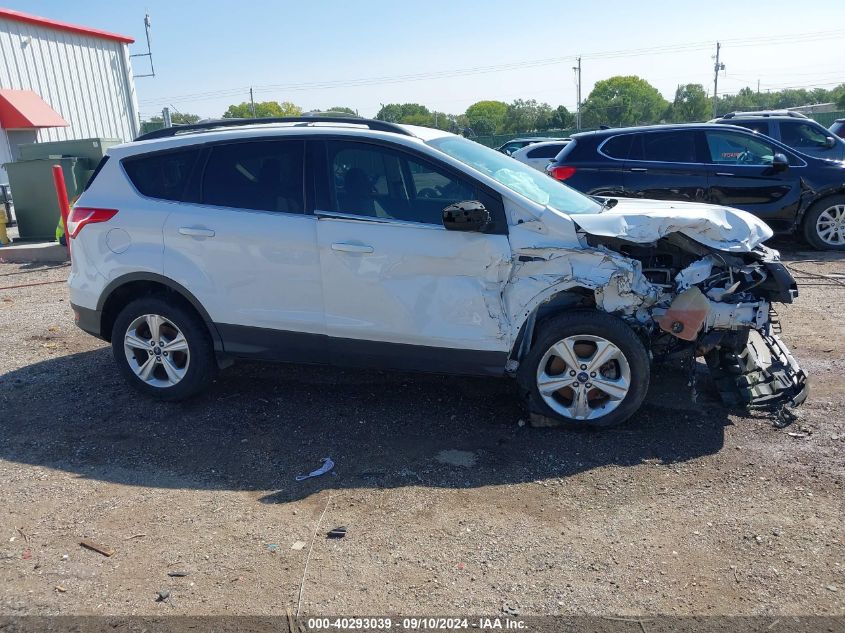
[668, 147]
[761, 127]
[163, 175]
[258, 175]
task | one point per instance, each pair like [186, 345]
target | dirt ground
[451, 506]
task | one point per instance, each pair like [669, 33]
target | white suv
[358, 242]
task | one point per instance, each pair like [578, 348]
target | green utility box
[92, 149]
[36, 204]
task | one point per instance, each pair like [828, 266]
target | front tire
[586, 369]
[824, 224]
[163, 348]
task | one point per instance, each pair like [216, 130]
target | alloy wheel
[830, 225]
[583, 377]
[156, 350]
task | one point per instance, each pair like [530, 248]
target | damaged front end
[718, 305]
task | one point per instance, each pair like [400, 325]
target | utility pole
[758, 86]
[165, 114]
[716, 68]
[252, 102]
[577, 70]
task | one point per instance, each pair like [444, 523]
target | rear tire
[824, 224]
[163, 348]
[586, 370]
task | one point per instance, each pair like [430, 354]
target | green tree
[340, 109]
[262, 110]
[526, 115]
[487, 117]
[177, 118]
[402, 112]
[562, 119]
[623, 101]
[837, 95]
[391, 113]
[690, 104]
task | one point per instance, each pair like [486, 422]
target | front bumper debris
[773, 375]
[758, 370]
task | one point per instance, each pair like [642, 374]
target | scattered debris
[27, 554]
[308, 557]
[291, 626]
[338, 532]
[162, 595]
[298, 545]
[129, 538]
[272, 547]
[105, 550]
[793, 434]
[60, 589]
[509, 609]
[65, 557]
[23, 534]
[453, 457]
[521, 422]
[177, 574]
[328, 464]
[832, 588]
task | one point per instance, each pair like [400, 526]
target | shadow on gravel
[261, 425]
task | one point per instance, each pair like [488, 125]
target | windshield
[516, 176]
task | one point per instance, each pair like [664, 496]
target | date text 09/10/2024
[416, 624]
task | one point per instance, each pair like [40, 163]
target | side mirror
[469, 215]
[780, 162]
[829, 142]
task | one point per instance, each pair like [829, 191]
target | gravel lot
[451, 506]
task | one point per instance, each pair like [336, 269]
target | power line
[443, 74]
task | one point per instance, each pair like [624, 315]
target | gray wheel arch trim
[114, 284]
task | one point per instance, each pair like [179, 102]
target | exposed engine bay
[718, 305]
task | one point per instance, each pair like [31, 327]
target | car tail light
[561, 172]
[80, 216]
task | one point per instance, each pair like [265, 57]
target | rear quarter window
[164, 175]
[617, 146]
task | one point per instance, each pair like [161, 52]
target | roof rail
[380, 126]
[766, 113]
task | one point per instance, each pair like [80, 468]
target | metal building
[61, 81]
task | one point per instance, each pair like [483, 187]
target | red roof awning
[37, 20]
[23, 109]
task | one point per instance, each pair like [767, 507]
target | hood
[722, 228]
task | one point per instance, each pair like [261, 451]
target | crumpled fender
[540, 273]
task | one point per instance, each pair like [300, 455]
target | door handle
[195, 231]
[641, 170]
[351, 248]
[724, 173]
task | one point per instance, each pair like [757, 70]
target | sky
[450, 54]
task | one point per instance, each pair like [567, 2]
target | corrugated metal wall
[85, 79]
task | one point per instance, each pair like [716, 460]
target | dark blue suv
[712, 163]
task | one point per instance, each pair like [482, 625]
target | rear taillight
[80, 216]
[561, 172]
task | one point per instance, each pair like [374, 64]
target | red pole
[64, 205]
